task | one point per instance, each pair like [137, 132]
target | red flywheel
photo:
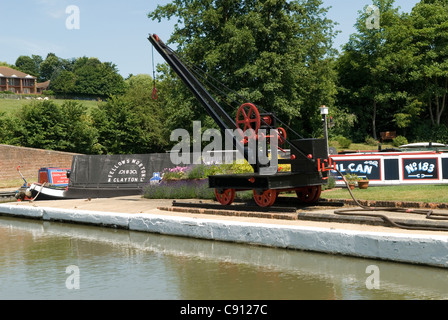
[248, 118]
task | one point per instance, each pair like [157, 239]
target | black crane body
[309, 159]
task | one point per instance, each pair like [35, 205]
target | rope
[42, 186]
[154, 90]
[429, 213]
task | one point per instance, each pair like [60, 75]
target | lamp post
[324, 113]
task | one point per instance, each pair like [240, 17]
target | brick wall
[30, 161]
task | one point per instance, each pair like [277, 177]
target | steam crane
[309, 159]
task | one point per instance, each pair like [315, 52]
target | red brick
[30, 161]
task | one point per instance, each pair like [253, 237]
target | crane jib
[248, 116]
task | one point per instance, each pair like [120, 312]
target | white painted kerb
[419, 249]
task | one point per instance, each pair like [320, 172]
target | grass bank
[10, 106]
[419, 193]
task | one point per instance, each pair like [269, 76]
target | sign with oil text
[394, 168]
[370, 169]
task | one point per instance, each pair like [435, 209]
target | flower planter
[363, 184]
[352, 186]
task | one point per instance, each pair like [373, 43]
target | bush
[425, 132]
[182, 189]
[202, 171]
[343, 142]
[370, 141]
[331, 183]
[400, 140]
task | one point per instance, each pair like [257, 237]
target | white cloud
[53, 8]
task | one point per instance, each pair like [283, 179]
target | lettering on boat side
[127, 171]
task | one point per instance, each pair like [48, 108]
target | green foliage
[370, 141]
[343, 142]
[400, 140]
[12, 130]
[125, 124]
[74, 77]
[183, 189]
[52, 66]
[202, 171]
[28, 65]
[428, 27]
[331, 183]
[275, 53]
[351, 178]
[191, 183]
[47, 125]
[401, 69]
[89, 77]
[425, 132]
[341, 122]
[367, 68]
[5, 64]
[130, 123]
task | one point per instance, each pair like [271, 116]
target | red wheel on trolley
[309, 194]
[225, 198]
[265, 199]
[248, 118]
[281, 136]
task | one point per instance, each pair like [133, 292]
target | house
[20, 83]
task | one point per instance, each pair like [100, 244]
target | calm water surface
[119, 264]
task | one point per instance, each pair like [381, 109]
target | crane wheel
[248, 120]
[309, 194]
[225, 197]
[266, 198]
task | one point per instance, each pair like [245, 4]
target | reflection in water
[119, 264]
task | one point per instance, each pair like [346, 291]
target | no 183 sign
[421, 169]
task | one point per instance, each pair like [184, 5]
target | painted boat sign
[420, 169]
[362, 168]
[394, 168]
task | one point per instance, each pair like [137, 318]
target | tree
[132, 122]
[88, 77]
[47, 125]
[49, 66]
[12, 132]
[28, 65]
[65, 83]
[275, 53]
[430, 69]
[370, 73]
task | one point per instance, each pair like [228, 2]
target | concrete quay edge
[424, 249]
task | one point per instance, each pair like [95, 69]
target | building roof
[12, 73]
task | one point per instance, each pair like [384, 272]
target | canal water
[47, 260]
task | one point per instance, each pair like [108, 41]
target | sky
[115, 31]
